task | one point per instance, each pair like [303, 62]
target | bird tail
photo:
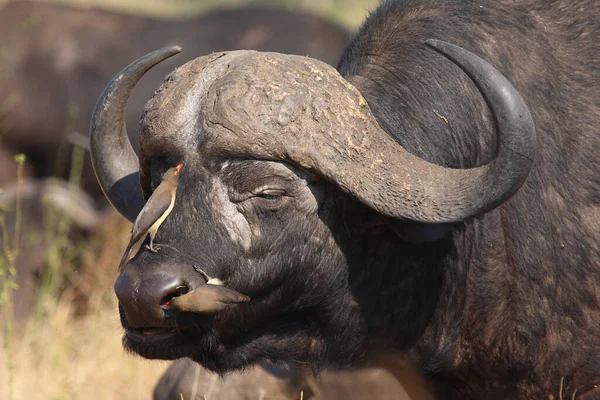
[125, 258]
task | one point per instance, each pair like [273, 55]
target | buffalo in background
[56, 59]
[52, 214]
[185, 378]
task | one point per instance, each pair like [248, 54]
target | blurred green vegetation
[349, 13]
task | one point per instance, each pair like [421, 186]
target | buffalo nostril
[142, 297]
[179, 291]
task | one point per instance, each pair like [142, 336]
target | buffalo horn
[115, 163]
[407, 187]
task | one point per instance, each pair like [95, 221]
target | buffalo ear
[417, 233]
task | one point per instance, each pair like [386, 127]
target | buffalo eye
[271, 194]
[269, 199]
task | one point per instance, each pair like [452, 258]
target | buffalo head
[289, 192]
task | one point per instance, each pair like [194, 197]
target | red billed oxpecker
[207, 299]
[155, 211]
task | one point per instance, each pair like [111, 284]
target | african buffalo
[55, 59]
[402, 202]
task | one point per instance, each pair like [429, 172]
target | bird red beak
[179, 168]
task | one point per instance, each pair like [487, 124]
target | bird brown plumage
[155, 211]
[207, 299]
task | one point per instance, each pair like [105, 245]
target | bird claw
[152, 248]
[201, 272]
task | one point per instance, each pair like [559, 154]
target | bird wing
[208, 299]
[154, 208]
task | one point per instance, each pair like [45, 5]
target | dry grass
[62, 357]
[59, 355]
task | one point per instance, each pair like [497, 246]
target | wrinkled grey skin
[497, 297]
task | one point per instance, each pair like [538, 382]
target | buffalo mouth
[150, 335]
[227, 341]
[180, 333]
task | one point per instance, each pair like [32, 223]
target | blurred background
[61, 242]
